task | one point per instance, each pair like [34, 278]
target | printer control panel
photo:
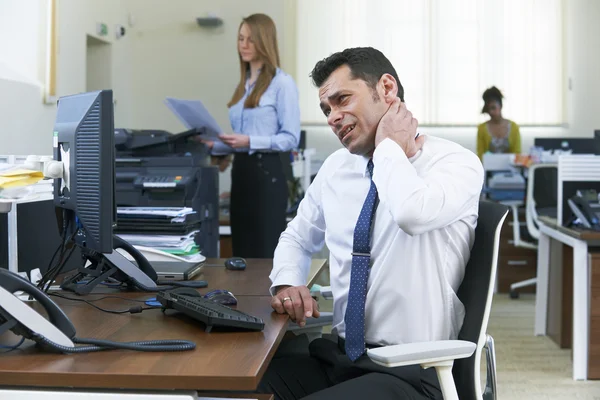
[161, 181]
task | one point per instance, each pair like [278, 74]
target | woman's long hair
[264, 36]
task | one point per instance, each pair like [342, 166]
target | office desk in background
[222, 361]
[568, 294]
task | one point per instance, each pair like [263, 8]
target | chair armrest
[421, 353]
[326, 292]
[325, 319]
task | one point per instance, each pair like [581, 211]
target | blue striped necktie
[361, 260]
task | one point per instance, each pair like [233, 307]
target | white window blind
[446, 53]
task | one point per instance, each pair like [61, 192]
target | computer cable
[102, 345]
[58, 269]
[52, 272]
[49, 270]
[12, 347]
[131, 310]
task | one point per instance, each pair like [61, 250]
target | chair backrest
[544, 185]
[542, 192]
[476, 293]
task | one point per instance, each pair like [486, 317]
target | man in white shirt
[399, 239]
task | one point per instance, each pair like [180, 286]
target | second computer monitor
[597, 142]
[574, 144]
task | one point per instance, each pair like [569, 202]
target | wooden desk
[225, 244]
[222, 361]
[254, 280]
[582, 234]
[574, 294]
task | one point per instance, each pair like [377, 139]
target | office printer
[154, 168]
[506, 186]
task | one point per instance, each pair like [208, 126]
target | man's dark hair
[365, 63]
[491, 94]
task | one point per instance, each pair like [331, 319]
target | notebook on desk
[175, 270]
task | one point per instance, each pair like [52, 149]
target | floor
[531, 367]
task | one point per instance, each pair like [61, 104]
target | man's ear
[388, 88]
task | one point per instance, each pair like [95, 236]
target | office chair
[457, 362]
[541, 199]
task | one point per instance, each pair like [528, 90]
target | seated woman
[498, 135]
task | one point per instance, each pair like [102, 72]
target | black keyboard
[209, 312]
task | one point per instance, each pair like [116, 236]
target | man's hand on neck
[399, 125]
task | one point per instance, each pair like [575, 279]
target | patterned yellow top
[511, 143]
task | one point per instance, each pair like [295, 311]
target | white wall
[21, 74]
[26, 122]
[77, 19]
[19, 60]
[164, 53]
[582, 41]
[172, 56]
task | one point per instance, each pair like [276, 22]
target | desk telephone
[582, 205]
[57, 334]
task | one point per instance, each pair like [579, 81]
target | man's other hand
[399, 125]
[295, 301]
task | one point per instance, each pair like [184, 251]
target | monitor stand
[103, 266]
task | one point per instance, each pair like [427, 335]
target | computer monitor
[597, 142]
[84, 195]
[84, 142]
[576, 145]
[302, 141]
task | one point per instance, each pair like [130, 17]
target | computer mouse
[235, 264]
[222, 297]
[186, 291]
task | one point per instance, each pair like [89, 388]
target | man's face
[353, 109]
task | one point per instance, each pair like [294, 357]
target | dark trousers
[322, 371]
[259, 200]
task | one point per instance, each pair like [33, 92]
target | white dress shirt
[422, 236]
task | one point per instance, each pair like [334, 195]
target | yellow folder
[19, 177]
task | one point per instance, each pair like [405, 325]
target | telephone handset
[58, 333]
[114, 265]
[23, 320]
[139, 258]
[584, 212]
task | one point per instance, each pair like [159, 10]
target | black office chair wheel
[513, 294]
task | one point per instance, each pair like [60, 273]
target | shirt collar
[361, 165]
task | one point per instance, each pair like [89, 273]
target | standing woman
[265, 114]
[498, 135]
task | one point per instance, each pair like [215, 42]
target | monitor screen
[574, 144]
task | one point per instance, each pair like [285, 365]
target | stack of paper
[171, 230]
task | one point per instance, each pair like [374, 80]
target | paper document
[155, 211]
[19, 177]
[193, 115]
[157, 239]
